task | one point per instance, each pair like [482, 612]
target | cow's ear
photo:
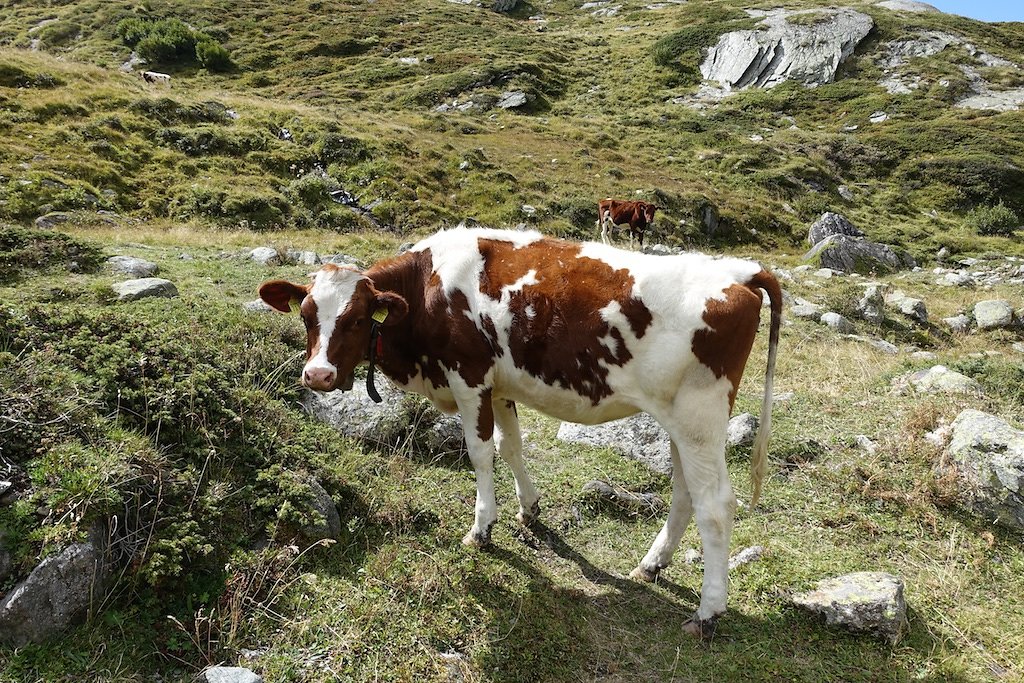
[280, 293]
[396, 306]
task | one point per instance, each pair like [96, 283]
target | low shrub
[23, 250]
[172, 41]
[993, 220]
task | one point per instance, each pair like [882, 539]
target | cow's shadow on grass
[620, 629]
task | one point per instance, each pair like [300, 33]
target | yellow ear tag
[380, 315]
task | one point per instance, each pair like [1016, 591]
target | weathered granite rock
[266, 256]
[837, 322]
[400, 420]
[940, 379]
[854, 255]
[993, 314]
[778, 50]
[52, 220]
[802, 308]
[869, 602]
[908, 306]
[647, 502]
[831, 224]
[988, 455]
[258, 306]
[908, 6]
[130, 290]
[324, 506]
[639, 437]
[231, 674]
[871, 306]
[742, 430]
[956, 279]
[55, 595]
[512, 99]
[960, 324]
[131, 265]
[746, 556]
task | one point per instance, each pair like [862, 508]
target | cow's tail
[759, 456]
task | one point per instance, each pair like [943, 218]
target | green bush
[60, 33]
[213, 56]
[23, 250]
[993, 220]
[132, 30]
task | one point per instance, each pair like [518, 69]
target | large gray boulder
[831, 224]
[398, 422]
[57, 593]
[855, 255]
[993, 314]
[143, 288]
[870, 602]
[639, 437]
[988, 455]
[908, 6]
[779, 51]
[131, 265]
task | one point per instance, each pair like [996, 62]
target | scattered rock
[871, 306]
[266, 256]
[399, 421]
[993, 314]
[639, 437]
[56, 594]
[802, 308]
[959, 324]
[956, 279]
[647, 502]
[869, 602]
[908, 306]
[258, 306]
[306, 258]
[692, 556]
[907, 6]
[512, 100]
[52, 220]
[746, 556]
[230, 674]
[742, 430]
[939, 379]
[837, 322]
[878, 117]
[324, 506]
[988, 455]
[130, 265]
[130, 290]
[832, 223]
[883, 346]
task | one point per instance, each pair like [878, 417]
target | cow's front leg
[478, 427]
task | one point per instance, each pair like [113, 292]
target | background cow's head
[649, 210]
[336, 309]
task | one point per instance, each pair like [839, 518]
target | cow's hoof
[701, 628]
[644, 574]
[528, 518]
[477, 539]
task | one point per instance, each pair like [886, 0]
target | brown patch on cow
[308, 312]
[725, 344]
[557, 328]
[485, 416]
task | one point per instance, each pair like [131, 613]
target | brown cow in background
[638, 215]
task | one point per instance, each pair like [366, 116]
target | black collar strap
[378, 317]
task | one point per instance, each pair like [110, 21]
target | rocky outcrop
[781, 51]
[988, 455]
[870, 602]
[831, 224]
[856, 255]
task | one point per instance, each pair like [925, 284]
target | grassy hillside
[180, 417]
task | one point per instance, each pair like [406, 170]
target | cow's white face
[336, 310]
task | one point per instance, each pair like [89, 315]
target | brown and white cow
[478, 320]
[637, 215]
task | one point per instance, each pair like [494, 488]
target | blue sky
[986, 10]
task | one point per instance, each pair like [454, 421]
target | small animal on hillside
[478, 320]
[638, 215]
[156, 78]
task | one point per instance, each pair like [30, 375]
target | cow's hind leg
[478, 428]
[660, 554]
[603, 221]
[510, 446]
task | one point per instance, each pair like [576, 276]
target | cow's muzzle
[325, 379]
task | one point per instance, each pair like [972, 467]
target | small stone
[923, 355]
[940, 379]
[742, 430]
[529, 210]
[956, 279]
[266, 256]
[512, 100]
[837, 322]
[865, 444]
[871, 306]
[258, 306]
[878, 117]
[746, 556]
[959, 324]
[130, 265]
[649, 502]
[231, 674]
[805, 309]
[692, 556]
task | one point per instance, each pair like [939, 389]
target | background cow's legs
[510, 446]
[478, 428]
[660, 554]
[605, 221]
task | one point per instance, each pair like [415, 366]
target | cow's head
[649, 210]
[337, 309]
